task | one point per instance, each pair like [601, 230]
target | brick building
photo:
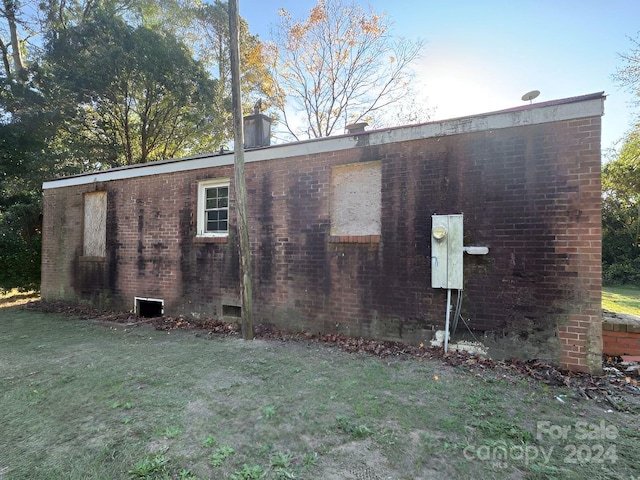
[340, 232]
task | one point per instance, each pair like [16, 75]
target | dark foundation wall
[529, 193]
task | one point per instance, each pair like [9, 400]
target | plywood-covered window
[95, 224]
[356, 202]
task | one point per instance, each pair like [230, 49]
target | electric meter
[439, 232]
[446, 251]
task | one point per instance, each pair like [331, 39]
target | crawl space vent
[149, 307]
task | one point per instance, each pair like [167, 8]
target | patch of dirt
[354, 461]
[617, 389]
[363, 461]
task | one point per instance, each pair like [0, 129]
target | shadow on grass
[14, 298]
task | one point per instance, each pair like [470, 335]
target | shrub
[621, 273]
[20, 245]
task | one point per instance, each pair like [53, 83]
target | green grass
[622, 299]
[15, 297]
[85, 400]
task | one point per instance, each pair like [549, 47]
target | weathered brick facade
[527, 181]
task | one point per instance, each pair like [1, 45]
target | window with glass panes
[216, 209]
[213, 208]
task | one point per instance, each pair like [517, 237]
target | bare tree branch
[341, 64]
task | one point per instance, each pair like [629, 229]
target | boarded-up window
[95, 224]
[356, 199]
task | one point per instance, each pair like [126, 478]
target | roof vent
[356, 127]
[257, 128]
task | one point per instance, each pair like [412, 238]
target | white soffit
[545, 113]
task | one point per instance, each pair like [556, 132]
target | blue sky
[483, 55]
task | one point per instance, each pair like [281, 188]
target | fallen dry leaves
[617, 387]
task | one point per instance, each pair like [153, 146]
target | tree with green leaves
[340, 65]
[621, 191]
[212, 44]
[141, 44]
[139, 93]
[22, 139]
[27, 124]
[621, 214]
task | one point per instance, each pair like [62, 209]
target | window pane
[216, 205]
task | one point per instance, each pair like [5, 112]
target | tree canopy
[340, 65]
[139, 95]
[621, 192]
[621, 214]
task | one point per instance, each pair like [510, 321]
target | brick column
[581, 240]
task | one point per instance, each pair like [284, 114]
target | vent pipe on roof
[356, 127]
[257, 128]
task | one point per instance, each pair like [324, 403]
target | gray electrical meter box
[447, 251]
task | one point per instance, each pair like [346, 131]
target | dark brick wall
[531, 194]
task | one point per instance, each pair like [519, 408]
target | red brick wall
[620, 339]
[530, 193]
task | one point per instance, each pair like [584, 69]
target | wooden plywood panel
[356, 203]
[95, 224]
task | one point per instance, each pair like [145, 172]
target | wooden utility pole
[240, 182]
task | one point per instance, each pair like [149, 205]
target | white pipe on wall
[446, 324]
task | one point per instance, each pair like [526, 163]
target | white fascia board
[154, 168]
[490, 121]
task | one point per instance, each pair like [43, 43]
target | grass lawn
[82, 400]
[15, 297]
[622, 299]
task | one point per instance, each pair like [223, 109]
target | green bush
[20, 245]
[621, 273]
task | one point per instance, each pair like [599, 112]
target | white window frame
[202, 201]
